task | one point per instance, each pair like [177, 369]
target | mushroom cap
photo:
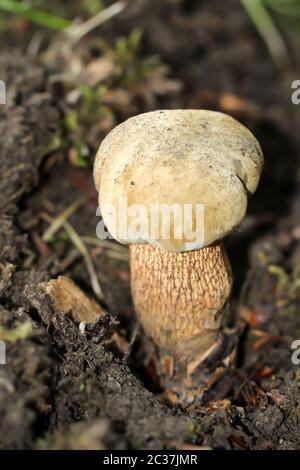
[201, 158]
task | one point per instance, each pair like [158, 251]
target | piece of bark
[67, 297]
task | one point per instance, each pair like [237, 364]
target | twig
[81, 247]
[35, 44]
[59, 221]
[112, 250]
[75, 33]
[115, 255]
[105, 244]
[78, 243]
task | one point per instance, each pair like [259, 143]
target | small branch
[110, 245]
[81, 247]
[59, 221]
[87, 258]
[75, 33]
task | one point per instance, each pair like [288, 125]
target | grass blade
[39, 17]
[265, 25]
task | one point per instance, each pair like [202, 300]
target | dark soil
[59, 385]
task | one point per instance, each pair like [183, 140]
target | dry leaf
[217, 405]
[99, 70]
[233, 103]
[117, 97]
[239, 441]
[266, 371]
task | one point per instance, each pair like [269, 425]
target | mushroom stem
[180, 297]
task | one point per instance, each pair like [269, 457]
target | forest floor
[65, 389]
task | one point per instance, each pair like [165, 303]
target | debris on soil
[97, 435]
[67, 297]
[75, 375]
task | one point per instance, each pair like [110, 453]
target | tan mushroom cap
[178, 157]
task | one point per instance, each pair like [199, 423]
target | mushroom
[178, 158]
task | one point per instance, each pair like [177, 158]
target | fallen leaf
[233, 103]
[265, 371]
[118, 97]
[239, 441]
[99, 70]
[218, 405]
